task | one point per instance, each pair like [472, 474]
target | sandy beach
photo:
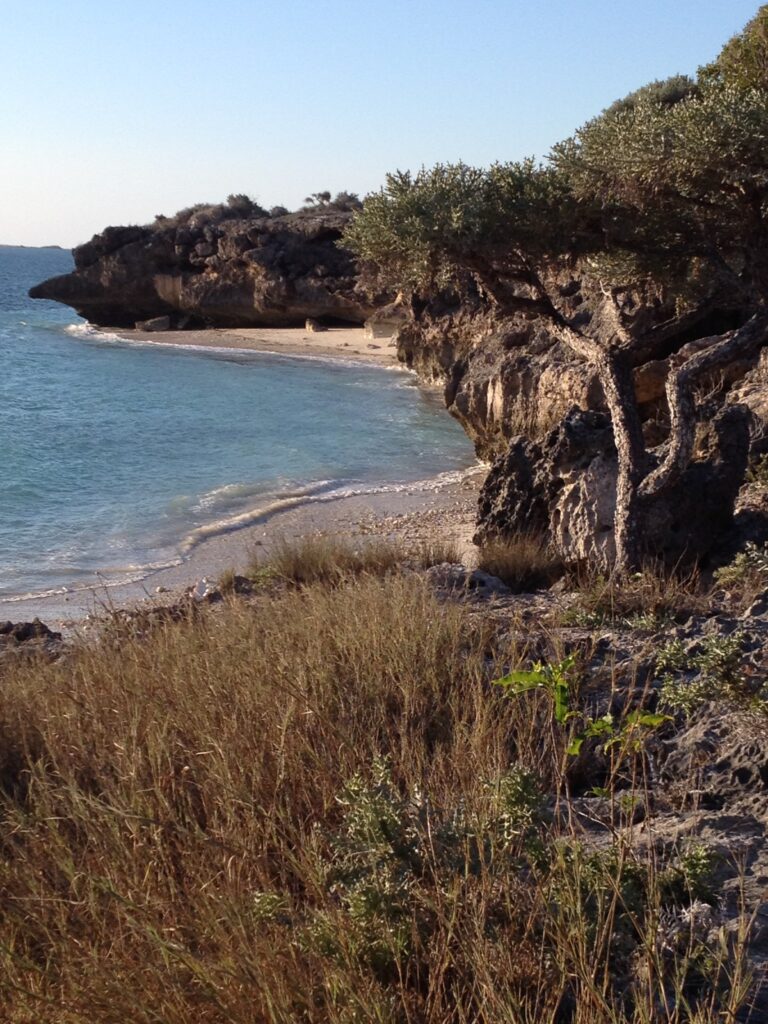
[333, 343]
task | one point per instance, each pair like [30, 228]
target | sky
[113, 111]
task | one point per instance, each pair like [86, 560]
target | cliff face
[259, 271]
[537, 413]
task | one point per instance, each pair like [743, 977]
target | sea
[118, 457]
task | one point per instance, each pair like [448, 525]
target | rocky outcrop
[202, 270]
[510, 382]
[28, 639]
[564, 487]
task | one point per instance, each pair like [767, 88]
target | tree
[318, 199]
[670, 185]
[743, 62]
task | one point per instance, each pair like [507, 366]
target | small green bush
[710, 671]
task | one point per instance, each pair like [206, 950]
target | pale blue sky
[115, 110]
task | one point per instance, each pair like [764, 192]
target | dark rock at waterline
[28, 639]
[22, 632]
[213, 268]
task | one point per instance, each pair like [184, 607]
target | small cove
[118, 457]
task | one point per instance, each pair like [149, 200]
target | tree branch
[734, 345]
[615, 373]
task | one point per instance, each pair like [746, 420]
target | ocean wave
[317, 492]
[314, 494]
[115, 576]
[229, 493]
[91, 333]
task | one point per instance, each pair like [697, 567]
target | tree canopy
[668, 185]
[670, 182]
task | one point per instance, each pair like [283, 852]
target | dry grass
[435, 551]
[648, 599]
[525, 562]
[323, 558]
[331, 559]
[313, 808]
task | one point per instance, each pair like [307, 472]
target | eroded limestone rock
[564, 488]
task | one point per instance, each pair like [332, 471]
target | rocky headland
[216, 266]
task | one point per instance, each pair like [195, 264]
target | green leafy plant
[749, 566]
[629, 734]
[553, 679]
[710, 670]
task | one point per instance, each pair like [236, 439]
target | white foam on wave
[314, 494]
[91, 333]
[116, 576]
[229, 493]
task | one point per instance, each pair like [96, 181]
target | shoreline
[421, 511]
[334, 343]
[439, 507]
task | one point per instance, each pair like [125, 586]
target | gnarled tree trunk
[635, 486]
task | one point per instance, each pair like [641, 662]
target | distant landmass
[7, 245]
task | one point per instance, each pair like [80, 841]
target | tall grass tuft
[524, 562]
[321, 558]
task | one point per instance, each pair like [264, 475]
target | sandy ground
[336, 342]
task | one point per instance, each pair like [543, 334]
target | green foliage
[425, 231]
[553, 679]
[389, 846]
[748, 567]
[683, 185]
[743, 61]
[669, 183]
[667, 92]
[629, 735]
[689, 876]
[709, 671]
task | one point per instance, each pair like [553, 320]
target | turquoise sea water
[117, 457]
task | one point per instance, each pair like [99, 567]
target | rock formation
[538, 414]
[565, 485]
[509, 380]
[213, 268]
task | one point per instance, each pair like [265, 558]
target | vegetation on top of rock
[341, 201]
[235, 208]
[662, 197]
